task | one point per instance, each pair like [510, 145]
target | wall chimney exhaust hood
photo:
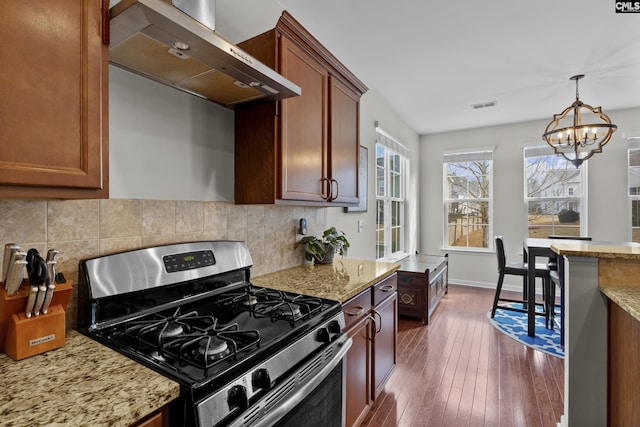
[174, 42]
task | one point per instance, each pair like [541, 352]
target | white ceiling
[430, 60]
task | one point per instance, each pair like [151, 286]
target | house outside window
[468, 199]
[555, 194]
[391, 171]
[634, 186]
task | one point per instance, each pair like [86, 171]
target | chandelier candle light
[571, 136]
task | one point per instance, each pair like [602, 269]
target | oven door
[312, 396]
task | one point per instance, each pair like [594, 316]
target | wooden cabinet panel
[384, 343]
[623, 368]
[358, 372]
[372, 356]
[344, 131]
[303, 138]
[53, 110]
[314, 137]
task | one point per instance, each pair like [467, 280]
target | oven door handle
[287, 405]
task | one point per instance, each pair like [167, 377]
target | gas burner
[171, 329]
[213, 348]
[250, 300]
[289, 310]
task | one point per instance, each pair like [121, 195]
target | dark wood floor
[460, 371]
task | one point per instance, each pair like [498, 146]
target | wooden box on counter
[22, 337]
[422, 282]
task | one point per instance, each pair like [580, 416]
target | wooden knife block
[28, 336]
[13, 305]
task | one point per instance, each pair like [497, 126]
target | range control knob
[334, 327]
[323, 335]
[260, 379]
[237, 397]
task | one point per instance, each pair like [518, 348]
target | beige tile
[158, 239]
[22, 221]
[119, 244]
[215, 216]
[189, 217]
[237, 218]
[216, 235]
[70, 254]
[189, 237]
[73, 220]
[158, 217]
[120, 217]
[240, 235]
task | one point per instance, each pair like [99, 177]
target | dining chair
[519, 269]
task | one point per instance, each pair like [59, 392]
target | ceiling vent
[484, 105]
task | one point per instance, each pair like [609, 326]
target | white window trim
[389, 144]
[633, 143]
[445, 230]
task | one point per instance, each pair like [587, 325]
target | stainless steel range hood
[174, 42]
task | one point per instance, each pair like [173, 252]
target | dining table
[534, 248]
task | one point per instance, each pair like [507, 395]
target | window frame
[581, 200]
[470, 154]
[391, 147]
[633, 148]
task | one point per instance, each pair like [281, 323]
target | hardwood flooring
[460, 371]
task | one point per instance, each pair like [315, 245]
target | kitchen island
[82, 383]
[340, 281]
[595, 273]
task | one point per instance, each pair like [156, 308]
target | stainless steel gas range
[243, 355]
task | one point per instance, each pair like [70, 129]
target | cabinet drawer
[384, 289]
[434, 273]
[357, 308]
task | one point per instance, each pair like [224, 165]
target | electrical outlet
[360, 225]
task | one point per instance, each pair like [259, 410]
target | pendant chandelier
[580, 135]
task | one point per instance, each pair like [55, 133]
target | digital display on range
[188, 261]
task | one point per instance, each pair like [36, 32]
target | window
[391, 172]
[634, 186]
[555, 194]
[468, 199]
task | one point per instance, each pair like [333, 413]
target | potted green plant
[322, 250]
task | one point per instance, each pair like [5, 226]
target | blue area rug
[514, 324]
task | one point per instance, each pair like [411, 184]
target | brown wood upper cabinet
[301, 150]
[53, 112]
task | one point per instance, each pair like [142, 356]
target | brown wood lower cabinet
[372, 324]
[623, 371]
[160, 418]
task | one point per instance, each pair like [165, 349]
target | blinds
[538, 151]
[468, 156]
[384, 139]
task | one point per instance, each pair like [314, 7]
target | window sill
[395, 257]
[468, 250]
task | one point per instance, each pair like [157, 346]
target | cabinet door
[53, 84]
[303, 127]
[358, 372]
[344, 145]
[384, 342]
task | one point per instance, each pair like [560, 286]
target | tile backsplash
[86, 228]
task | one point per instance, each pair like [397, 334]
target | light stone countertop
[340, 281]
[627, 297]
[83, 383]
[594, 249]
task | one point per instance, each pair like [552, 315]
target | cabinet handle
[326, 189]
[337, 190]
[387, 288]
[359, 310]
[375, 328]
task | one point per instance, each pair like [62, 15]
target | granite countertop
[594, 249]
[83, 383]
[627, 297]
[340, 281]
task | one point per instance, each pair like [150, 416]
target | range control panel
[188, 261]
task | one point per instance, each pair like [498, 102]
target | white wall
[608, 209]
[363, 244]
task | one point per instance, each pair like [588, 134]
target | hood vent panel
[148, 37]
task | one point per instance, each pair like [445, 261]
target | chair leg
[552, 304]
[497, 296]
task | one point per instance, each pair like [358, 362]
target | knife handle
[31, 301]
[47, 298]
[14, 280]
[42, 290]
